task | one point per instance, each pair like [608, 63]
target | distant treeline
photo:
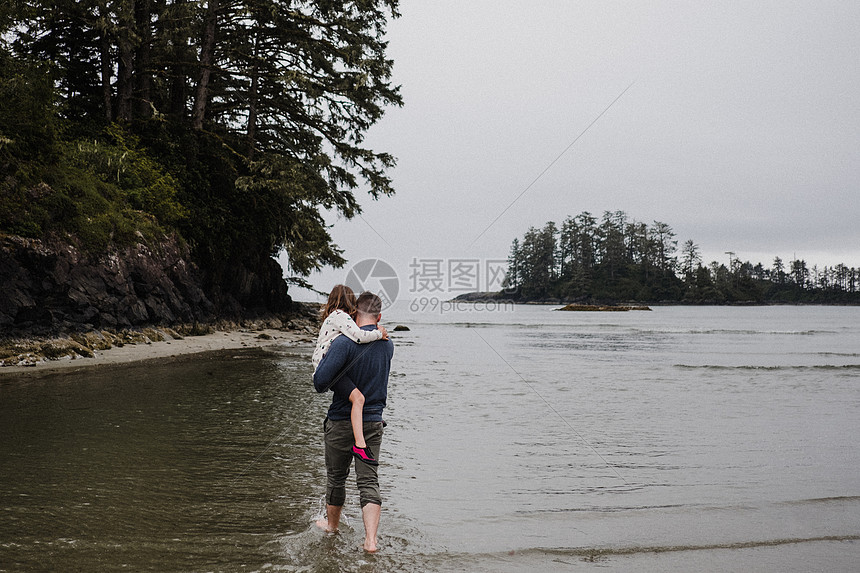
[620, 259]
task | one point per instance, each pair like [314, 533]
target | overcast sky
[740, 128]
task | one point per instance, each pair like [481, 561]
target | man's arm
[329, 374]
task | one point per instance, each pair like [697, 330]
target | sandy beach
[166, 349]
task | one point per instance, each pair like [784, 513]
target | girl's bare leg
[356, 417]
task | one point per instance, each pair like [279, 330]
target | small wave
[769, 368]
[549, 558]
[817, 500]
[605, 509]
[842, 354]
[598, 552]
[739, 332]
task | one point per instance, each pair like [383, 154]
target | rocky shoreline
[56, 286]
[98, 347]
[60, 304]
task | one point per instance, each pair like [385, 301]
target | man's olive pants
[338, 457]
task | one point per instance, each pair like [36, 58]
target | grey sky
[741, 130]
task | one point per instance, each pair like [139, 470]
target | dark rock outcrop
[248, 288]
[54, 287]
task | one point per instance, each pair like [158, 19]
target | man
[347, 366]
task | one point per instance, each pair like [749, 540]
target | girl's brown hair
[342, 298]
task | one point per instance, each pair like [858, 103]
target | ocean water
[522, 438]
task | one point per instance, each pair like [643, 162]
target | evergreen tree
[778, 272]
[612, 241]
[512, 276]
[257, 108]
[666, 245]
[690, 261]
[799, 273]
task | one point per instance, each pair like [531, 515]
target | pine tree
[512, 276]
[260, 107]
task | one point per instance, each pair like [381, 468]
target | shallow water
[718, 439]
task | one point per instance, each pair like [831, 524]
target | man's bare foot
[370, 546]
[322, 523]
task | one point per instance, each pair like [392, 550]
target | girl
[338, 316]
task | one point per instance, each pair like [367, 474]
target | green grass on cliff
[99, 186]
[104, 191]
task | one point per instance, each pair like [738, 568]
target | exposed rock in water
[400, 328]
[602, 308]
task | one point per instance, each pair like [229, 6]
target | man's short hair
[368, 303]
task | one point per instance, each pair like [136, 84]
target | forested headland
[616, 258]
[203, 136]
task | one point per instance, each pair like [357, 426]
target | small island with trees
[617, 259]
